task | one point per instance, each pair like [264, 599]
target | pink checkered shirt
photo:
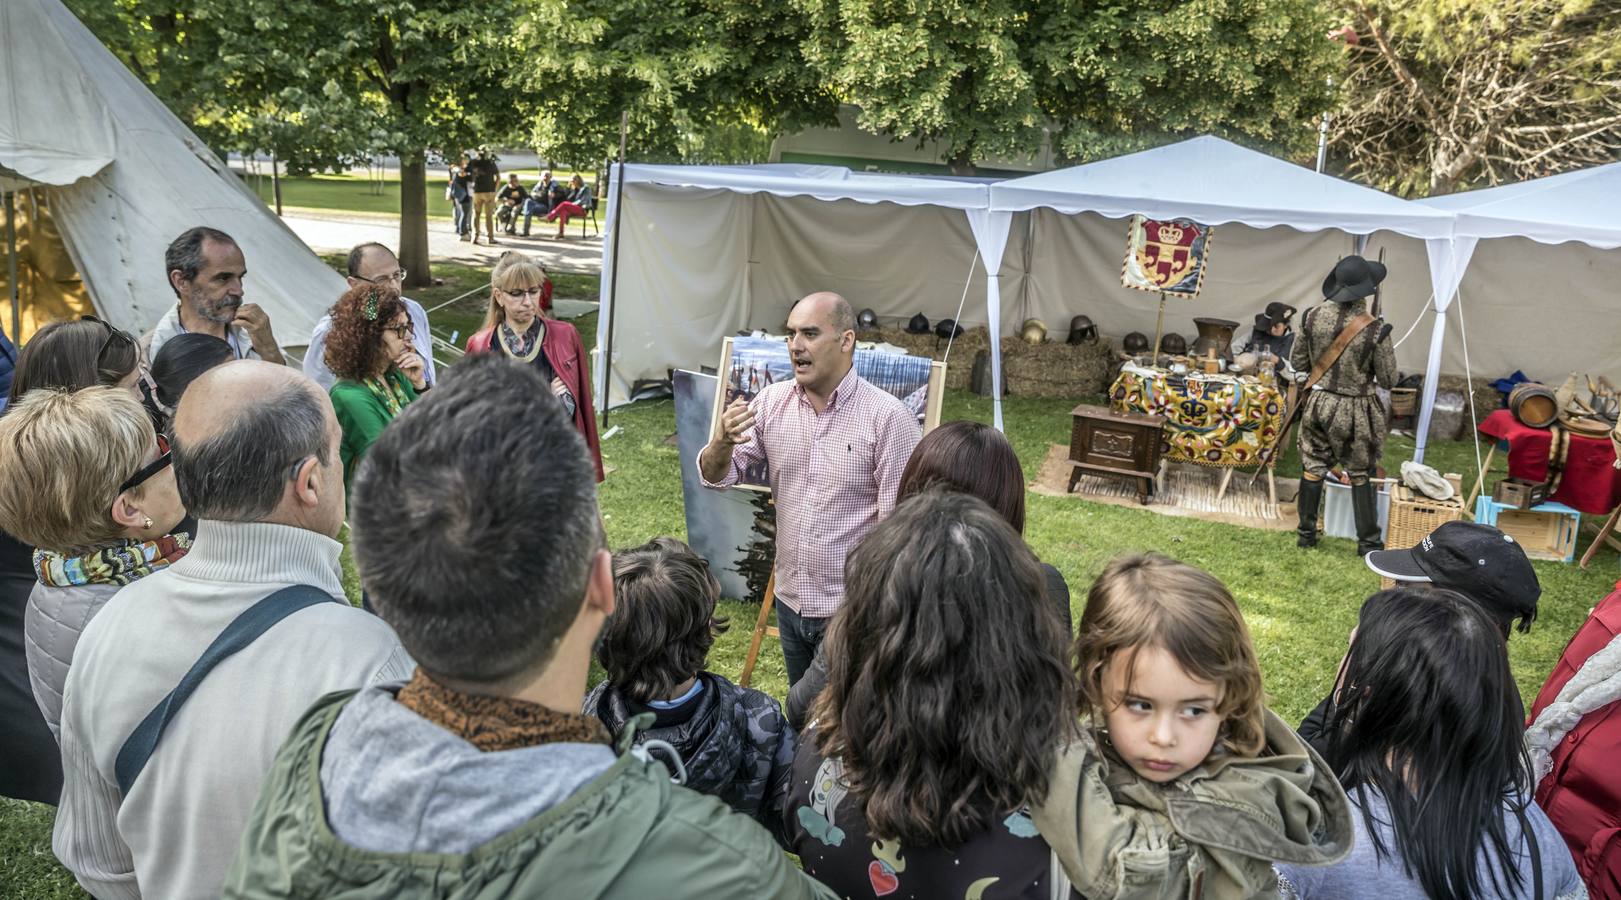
[827, 498]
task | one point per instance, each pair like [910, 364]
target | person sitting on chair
[1272, 334]
[578, 201]
[513, 198]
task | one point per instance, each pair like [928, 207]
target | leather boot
[1309, 501]
[1365, 507]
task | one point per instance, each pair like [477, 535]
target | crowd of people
[213, 717]
[477, 195]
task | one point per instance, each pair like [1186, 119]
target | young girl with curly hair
[379, 372]
[1183, 783]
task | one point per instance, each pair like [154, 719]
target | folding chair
[591, 217]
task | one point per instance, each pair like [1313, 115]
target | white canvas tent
[1539, 263]
[1280, 228]
[704, 251]
[124, 176]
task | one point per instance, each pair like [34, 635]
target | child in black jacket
[734, 742]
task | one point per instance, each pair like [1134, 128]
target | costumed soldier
[1342, 421]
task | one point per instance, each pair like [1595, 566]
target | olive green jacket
[1213, 833]
[629, 833]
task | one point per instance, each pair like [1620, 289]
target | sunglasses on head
[152, 468]
[115, 336]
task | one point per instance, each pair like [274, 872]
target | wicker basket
[1403, 401]
[1412, 516]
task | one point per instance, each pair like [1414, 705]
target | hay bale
[1487, 397]
[1058, 370]
[961, 365]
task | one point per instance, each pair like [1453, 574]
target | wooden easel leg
[1226, 479]
[766, 603]
[1603, 536]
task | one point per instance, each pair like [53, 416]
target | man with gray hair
[836, 448]
[205, 270]
[184, 685]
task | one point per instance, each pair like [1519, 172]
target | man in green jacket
[476, 532]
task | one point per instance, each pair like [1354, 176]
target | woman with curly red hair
[517, 326]
[379, 373]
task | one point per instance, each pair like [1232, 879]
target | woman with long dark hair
[971, 458]
[1426, 737]
[948, 698]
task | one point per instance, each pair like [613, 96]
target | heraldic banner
[1166, 257]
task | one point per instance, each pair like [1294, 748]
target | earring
[148, 524]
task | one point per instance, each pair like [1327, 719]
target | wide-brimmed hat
[1352, 279]
[1275, 312]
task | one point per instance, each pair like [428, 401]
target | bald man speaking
[836, 447]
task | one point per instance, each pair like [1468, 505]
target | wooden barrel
[1533, 404]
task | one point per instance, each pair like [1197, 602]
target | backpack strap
[242, 631]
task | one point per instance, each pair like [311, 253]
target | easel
[761, 629]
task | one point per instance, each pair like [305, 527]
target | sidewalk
[337, 233]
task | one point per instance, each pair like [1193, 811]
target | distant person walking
[460, 194]
[486, 178]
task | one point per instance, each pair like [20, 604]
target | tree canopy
[1446, 94]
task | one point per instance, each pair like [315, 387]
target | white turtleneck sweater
[176, 833]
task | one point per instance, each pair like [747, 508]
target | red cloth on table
[1592, 483]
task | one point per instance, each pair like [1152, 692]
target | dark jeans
[800, 637]
[532, 208]
[462, 212]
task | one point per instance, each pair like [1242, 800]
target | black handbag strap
[242, 631]
[1536, 852]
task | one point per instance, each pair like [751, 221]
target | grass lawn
[358, 194]
[1300, 605]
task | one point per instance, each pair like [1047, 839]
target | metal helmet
[866, 319]
[918, 325]
[947, 328]
[1034, 331]
[1082, 331]
[1174, 344]
[1136, 342]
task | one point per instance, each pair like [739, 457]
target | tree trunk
[414, 219]
[962, 164]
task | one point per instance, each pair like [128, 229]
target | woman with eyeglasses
[517, 325]
[379, 372]
[65, 355]
[90, 487]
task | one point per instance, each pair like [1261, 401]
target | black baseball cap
[1478, 561]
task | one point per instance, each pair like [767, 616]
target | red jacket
[1582, 793]
[566, 354]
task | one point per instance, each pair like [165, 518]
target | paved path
[336, 234]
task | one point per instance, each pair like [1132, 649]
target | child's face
[1167, 723]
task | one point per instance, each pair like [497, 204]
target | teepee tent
[122, 177]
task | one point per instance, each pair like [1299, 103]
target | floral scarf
[387, 390]
[119, 564]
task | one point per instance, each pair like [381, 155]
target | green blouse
[363, 414]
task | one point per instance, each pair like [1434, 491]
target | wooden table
[1122, 444]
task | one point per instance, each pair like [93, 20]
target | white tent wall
[161, 181]
[1075, 264]
[698, 264]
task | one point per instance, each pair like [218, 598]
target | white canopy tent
[124, 176]
[704, 251]
[1280, 229]
[1552, 246]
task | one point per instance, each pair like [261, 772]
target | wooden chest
[1105, 442]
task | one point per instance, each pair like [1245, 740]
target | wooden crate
[1546, 532]
[1412, 516]
[1520, 494]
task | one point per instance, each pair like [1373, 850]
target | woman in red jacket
[517, 325]
[1575, 745]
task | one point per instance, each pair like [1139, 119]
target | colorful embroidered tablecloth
[1212, 420]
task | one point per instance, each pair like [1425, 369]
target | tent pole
[613, 274]
[11, 268]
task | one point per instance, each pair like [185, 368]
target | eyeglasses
[397, 277]
[403, 330]
[525, 292]
[152, 468]
[115, 336]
